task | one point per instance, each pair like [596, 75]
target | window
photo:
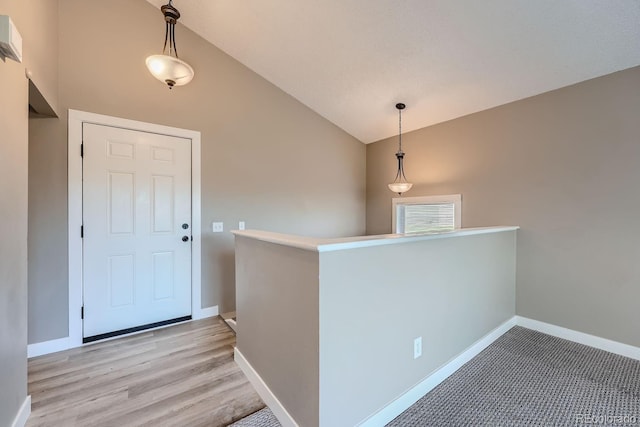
[428, 214]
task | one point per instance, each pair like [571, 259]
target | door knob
[185, 238]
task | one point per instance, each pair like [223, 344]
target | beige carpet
[262, 418]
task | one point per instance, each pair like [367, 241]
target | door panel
[121, 278]
[136, 196]
[161, 211]
[120, 193]
[163, 275]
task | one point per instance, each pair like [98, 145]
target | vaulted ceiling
[351, 61]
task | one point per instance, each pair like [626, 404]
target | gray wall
[47, 241]
[564, 166]
[266, 158]
[30, 18]
[375, 301]
[277, 322]
[13, 245]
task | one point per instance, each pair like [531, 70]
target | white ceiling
[351, 61]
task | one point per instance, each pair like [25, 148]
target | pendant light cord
[400, 154]
[400, 129]
[173, 39]
[166, 38]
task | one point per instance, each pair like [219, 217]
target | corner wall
[13, 245]
[266, 158]
[277, 327]
[564, 167]
[33, 20]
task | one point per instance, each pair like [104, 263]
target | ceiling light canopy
[400, 184]
[170, 69]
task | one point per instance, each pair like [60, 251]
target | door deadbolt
[185, 226]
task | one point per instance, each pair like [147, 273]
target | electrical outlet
[417, 347]
[217, 227]
[241, 225]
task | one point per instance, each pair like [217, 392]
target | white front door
[137, 228]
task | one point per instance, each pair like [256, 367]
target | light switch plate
[217, 227]
[241, 225]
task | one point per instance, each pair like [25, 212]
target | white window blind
[430, 214]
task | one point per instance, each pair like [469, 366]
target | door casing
[76, 119]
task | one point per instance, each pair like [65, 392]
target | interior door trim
[76, 119]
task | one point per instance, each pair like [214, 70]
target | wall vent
[10, 40]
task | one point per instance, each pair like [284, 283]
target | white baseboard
[395, 408]
[46, 347]
[231, 323]
[205, 312]
[263, 390]
[580, 337]
[23, 414]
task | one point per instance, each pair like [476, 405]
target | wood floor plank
[180, 375]
[168, 407]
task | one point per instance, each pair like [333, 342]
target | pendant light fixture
[400, 184]
[170, 69]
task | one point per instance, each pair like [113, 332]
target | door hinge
[82, 312]
[82, 231]
[82, 150]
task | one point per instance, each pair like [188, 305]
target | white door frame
[76, 119]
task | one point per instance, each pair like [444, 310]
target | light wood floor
[183, 375]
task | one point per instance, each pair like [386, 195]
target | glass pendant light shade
[400, 187]
[400, 184]
[170, 70]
